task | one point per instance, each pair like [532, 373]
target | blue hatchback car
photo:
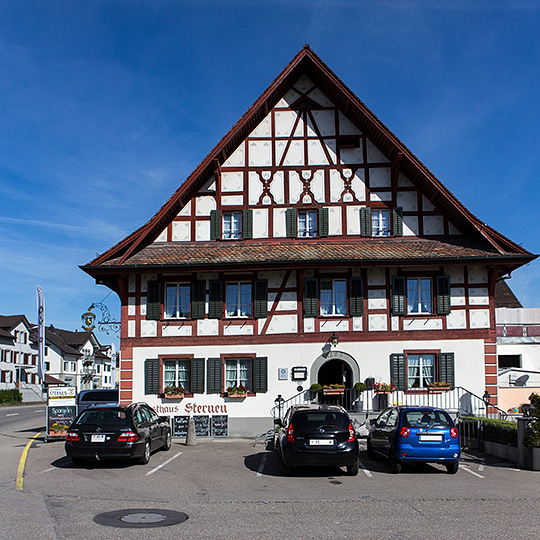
[415, 435]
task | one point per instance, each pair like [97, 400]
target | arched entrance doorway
[335, 372]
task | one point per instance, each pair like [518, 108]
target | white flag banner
[113, 365]
[41, 333]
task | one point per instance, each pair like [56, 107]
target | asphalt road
[230, 489]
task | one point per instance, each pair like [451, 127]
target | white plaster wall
[280, 230]
[237, 158]
[232, 181]
[260, 223]
[260, 153]
[181, 231]
[433, 225]
[380, 178]
[353, 220]
[334, 221]
[374, 154]
[346, 127]
[202, 230]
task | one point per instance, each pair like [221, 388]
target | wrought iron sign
[106, 324]
[299, 373]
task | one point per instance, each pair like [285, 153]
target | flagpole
[41, 333]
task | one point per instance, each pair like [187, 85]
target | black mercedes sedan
[109, 432]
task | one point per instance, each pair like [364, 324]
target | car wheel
[370, 452]
[168, 442]
[352, 470]
[78, 462]
[145, 458]
[395, 465]
[452, 468]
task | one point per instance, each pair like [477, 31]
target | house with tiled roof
[310, 246]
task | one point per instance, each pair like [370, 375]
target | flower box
[438, 389]
[236, 395]
[173, 396]
[333, 391]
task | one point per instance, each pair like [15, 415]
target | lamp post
[279, 401]
[333, 339]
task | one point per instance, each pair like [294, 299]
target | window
[47, 366]
[421, 370]
[238, 372]
[177, 300]
[238, 301]
[333, 297]
[176, 373]
[380, 223]
[307, 223]
[509, 361]
[419, 296]
[232, 225]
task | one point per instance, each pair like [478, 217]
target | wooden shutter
[153, 301]
[323, 222]
[247, 224]
[197, 375]
[443, 295]
[399, 295]
[260, 374]
[260, 299]
[198, 299]
[356, 297]
[291, 223]
[151, 376]
[215, 225]
[397, 218]
[398, 371]
[311, 297]
[215, 305]
[446, 368]
[214, 376]
[365, 221]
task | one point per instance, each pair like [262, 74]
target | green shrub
[532, 438]
[10, 396]
[499, 431]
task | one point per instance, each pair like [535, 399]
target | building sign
[59, 418]
[205, 426]
[61, 395]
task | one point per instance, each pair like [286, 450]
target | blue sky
[105, 108]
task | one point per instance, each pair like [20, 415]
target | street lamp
[333, 339]
[279, 401]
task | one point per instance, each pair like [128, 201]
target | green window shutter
[443, 295]
[323, 222]
[247, 224]
[292, 223]
[398, 371]
[260, 299]
[215, 225]
[399, 296]
[260, 374]
[198, 299]
[215, 306]
[214, 376]
[365, 221]
[446, 368]
[311, 297]
[397, 218]
[153, 301]
[197, 375]
[151, 376]
[356, 298]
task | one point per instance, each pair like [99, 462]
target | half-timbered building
[309, 246]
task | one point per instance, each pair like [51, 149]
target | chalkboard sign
[220, 426]
[59, 418]
[202, 426]
[180, 426]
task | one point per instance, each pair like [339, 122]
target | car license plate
[433, 438]
[321, 442]
[97, 438]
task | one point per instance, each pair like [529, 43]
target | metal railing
[458, 401]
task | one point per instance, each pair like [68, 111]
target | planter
[333, 391]
[383, 392]
[438, 389]
[173, 396]
[236, 395]
[53, 433]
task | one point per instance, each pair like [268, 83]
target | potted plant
[237, 391]
[333, 389]
[315, 389]
[383, 388]
[359, 389]
[174, 392]
[58, 429]
[438, 387]
[532, 440]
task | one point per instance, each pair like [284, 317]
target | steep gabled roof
[306, 62]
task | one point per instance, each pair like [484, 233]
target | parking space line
[261, 466]
[155, 469]
[462, 467]
[366, 471]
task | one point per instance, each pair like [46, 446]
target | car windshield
[311, 419]
[426, 418]
[110, 417]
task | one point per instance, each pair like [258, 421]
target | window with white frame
[176, 373]
[177, 300]
[419, 296]
[307, 223]
[420, 370]
[238, 372]
[238, 299]
[232, 225]
[333, 297]
[380, 222]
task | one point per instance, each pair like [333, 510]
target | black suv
[316, 435]
[108, 432]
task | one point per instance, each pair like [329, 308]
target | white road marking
[480, 468]
[162, 465]
[46, 470]
[471, 472]
[261, 466]
[13, 414]
[364, 468]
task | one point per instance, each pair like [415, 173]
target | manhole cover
[140, 518]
